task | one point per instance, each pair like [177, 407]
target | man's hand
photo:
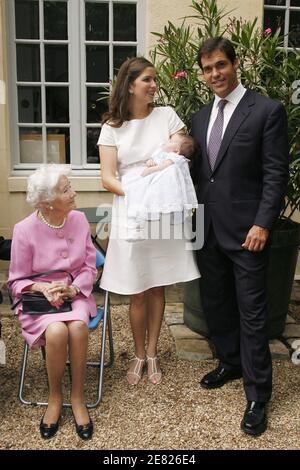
[256, 238]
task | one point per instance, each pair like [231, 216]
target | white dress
[131, 268]
[165, 191]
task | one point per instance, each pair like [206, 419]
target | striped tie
[215, 137]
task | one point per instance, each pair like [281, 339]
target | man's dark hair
[212, 44]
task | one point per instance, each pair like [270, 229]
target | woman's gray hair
[42, 183]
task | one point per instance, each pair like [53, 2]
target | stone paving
[192, 346]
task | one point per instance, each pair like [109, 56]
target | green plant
[265, 66]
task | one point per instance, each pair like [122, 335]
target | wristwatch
[77, 289]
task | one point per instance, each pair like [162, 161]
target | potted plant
[266, 67]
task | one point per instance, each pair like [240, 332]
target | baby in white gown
[163, 187]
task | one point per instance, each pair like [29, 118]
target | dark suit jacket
[251, 172]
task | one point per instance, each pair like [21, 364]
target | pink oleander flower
[179, 75]
[267, 32]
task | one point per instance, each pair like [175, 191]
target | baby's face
[174, 143]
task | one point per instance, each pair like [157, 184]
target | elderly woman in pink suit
[56, 237]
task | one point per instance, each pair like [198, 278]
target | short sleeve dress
[131, 268]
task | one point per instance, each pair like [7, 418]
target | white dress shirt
[233, 100]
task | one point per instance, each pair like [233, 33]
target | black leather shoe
[84, 431]
[219, 377]
[48, 430]
[255, 418]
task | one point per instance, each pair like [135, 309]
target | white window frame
[77, 81]
[287, 9]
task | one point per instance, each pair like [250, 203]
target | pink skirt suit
[38, 248]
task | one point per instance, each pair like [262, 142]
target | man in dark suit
[241, 175]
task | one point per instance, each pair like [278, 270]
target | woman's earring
[130, 92]
[51, 208]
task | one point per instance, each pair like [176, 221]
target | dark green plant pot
[281, 271]
[193, 315]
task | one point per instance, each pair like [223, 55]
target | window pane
[96, 21]
[294, 32]
[97, 64]
[124, 22]
[57, 104]
[92, 150]
[31, 149]
[95, 106]
[58, 145]
[29, 104]
[274, 19]
[295, 3]
[56, 63]
[275, 2]
[28, 63]
[55, 20]
[27, 19]
[121, 53]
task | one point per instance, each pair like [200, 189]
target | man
[241, 174]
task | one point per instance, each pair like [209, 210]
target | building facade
[56, 58]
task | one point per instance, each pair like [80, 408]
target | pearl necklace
[50, 225]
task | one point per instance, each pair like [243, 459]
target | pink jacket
[37, 247]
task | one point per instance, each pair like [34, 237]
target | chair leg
[22, 380]
[100, 364]
[110, 338]
[22, 375]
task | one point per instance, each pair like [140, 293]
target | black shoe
[255, 418]
[48, 430]
[219, 377]
[84, 431]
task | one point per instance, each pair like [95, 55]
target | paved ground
[174, 415]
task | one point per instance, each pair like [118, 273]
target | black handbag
[35, 303]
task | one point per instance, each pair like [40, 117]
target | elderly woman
[56, 237]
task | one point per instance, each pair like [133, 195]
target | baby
[180, 144]
[163, 187]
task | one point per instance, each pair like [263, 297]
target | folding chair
[103, 315]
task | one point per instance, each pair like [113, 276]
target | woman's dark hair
[212, 44]
[118, 111]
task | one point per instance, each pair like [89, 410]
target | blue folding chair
[103, 315]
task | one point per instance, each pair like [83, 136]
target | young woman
[132, 130]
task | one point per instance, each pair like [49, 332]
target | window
[284, 14]
[63, 54]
